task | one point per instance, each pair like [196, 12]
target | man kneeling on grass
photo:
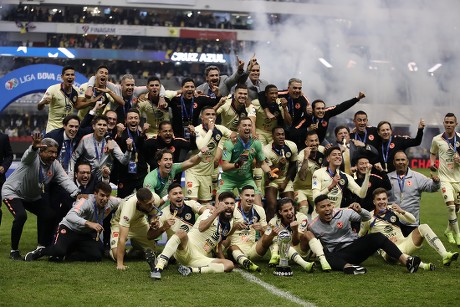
[386, 220]
[343, 249]
[77, 237]
[194, 249]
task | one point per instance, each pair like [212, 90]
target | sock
[425, 266]
[168, 251]
[239, 256]
[274, 248]
[211, 268]
[294, 256]
[317, 248]
[258, 175]
[14, 250]
[215, 176]
[432, 239]
[304, 209]
[452, 217]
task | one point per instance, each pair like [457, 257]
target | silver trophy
[284, 242]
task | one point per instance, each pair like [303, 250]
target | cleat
[34, 255]
[457, 240]
[250, 266]
[355, 270]
[156, 274]
[274, 260]
[325, 266]
[309, 267]
[16, 255]
[432, 267]
[184, 270]
[150, 258]
[450, 237]
[447, 260]
[413, 263]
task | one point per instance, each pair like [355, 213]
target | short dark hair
[173, 186]
[144, 194]
[243, 118]
[225, 195]
[276, 128]
[320, 198]
[241, 86]
[101, 67]
[281, 202]
[162, 123]
[66, 119]
[360, 112]
[313, 104]
[379, 191]
[206, 108]
[134, 110]
[247, 187]
[312, 132]
[161, 152]
[153, 78]
[451, 115]
[340, 127]
[82, 163]
[185, 80]
[67, 67]
[329, 151]
[98, 118]
[209, 68]
[103, 186]
[383, 122]
[270, 86]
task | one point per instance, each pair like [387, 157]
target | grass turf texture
[43, 283]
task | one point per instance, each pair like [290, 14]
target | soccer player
[131, 222]
[309, 160]
[98, 150]
[78, 234]
[200, 178]
[296, 223]
[62, 98]
[281, 155]
[386, 220]
[24, 188]
[343, 249]
[243, 243]
[331, 181]
[193, 249]
[388, 144]
[237, 160]
[177, 214]
[160, 178]
[321, 115]
[446, 146]
[407, 187]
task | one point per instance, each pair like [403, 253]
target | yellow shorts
[192, 257]
[137, 235]
[276, 183]
[199, 187]
[304, 195]
[450, 191]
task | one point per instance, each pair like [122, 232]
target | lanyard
[221, 229]
[387, 151]
[68, 97]
[247, 145]
[279, 152]
[444, 136]
[41, 175]
[162, 183]
[357, 137]
[331, 173]
[131, 137]
[290, 106]
[401, 182]
[96, 212]
[316, 120]
[185, 114]
[95, 149]
[249, 219]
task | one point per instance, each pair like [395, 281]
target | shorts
[137, 235]
[406, 246]
[275, 184]
[227, 185]
[192, 257]
[304, 195]
[250, 251]
[198, 187]
[265, 137]
[450, 191]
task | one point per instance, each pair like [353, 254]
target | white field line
[273, 290]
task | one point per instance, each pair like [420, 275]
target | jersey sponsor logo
[189, 184]
[184, 227]
[113, 242]
[388, 229]
[189, 192]
[126, 218]
[339, 225]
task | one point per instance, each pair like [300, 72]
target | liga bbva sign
[31, 79]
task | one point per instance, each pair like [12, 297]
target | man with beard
[447, 147]
[309, 160]
[159, 179]
[251, 78]
[24, 188]
[319, 121]
[296, 223]
[243, 242]
[153, 106]
[78, 233]
[235, 107]
[193, 249]
[98, 150]
[201, 179]
[131, 222]
[362, 132]
[166, 140]
[407, 188]
[186, 108]
[237, 161]
[104, 91]
[387, 220]
[223, 83]
[61, 98]
[131, 176]
[343, 249]
[281, 155]
[331, 181]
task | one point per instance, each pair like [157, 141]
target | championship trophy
[284, 242]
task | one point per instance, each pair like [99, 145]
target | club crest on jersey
[189, 184]
[342, 182]
[339, 225]
[288, 154]
[188, 216]
[393, 219]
